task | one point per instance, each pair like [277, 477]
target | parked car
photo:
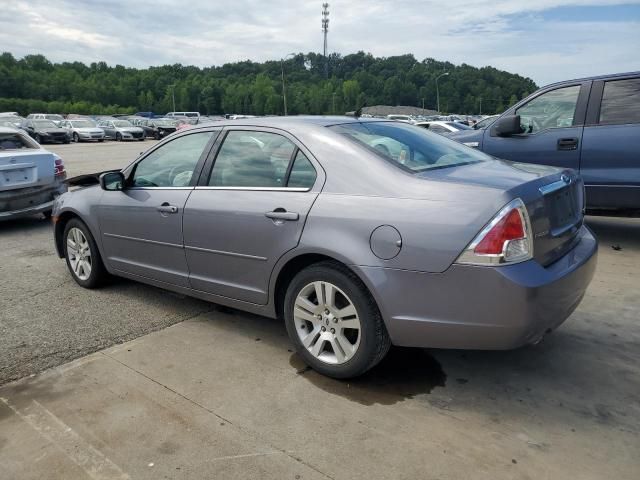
[591, 125]
[83, 130]
[46, 116]
[401, 118]
[15, 120]
[30, 177]
[485, 122]
[120, 130]
[157, 128]
[45, 131]
[443, 127]
[441, 246]
[183, 114]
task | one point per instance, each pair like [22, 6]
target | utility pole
[284, 88]
[422, 104]
[325, 31]
[173, 96]
[333, 103]
[438, 91]
[480, 105]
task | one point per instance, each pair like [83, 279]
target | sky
[546, 40]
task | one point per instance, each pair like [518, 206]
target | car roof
[10, 130]
[292, 121]
[598, 77]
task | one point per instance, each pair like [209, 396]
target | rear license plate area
[564, 211]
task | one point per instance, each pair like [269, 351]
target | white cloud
[510, 35]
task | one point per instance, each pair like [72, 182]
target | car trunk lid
[25, 169]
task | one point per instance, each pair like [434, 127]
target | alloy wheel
[79, 253]
[327, 322]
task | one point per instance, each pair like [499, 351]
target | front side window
[621, 102]
[252, 159]
[173, 164]
[410, 148]
[550, 110]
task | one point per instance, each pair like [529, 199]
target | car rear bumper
[473, 307]
[29, 201]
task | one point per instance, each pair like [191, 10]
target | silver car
[120, 130]
[426, 243]
[30, 176]
[83, 130]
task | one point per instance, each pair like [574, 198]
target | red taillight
[59, 167]
[505, 239]
[510, 227]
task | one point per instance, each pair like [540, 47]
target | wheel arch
[296, 263]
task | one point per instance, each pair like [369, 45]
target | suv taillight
[505, 240]
[59, 166]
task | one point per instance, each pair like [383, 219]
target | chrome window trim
[159, 188]
[257, 189]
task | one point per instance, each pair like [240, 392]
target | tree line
[34, 84]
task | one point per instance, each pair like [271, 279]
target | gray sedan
[422, 243]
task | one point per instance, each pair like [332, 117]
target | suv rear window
[621, 102]
[15, 141]
[411, 148]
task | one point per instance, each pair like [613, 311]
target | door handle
[567, 143]
[282, 214]
[166, 208]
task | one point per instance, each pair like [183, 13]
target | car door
[248, 212]
[552, 124]
[141, 225]
[109, 129]
[610, 162]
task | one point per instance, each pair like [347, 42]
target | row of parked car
[54, 128]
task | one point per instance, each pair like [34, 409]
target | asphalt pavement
[220, 394]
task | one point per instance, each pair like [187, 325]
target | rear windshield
[82, 123]
[44, 124]
[15, 141]
[409, 147]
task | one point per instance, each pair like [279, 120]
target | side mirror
[112, 181]
[506, 126]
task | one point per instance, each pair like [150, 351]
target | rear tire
[101, 140]
[82, 255]
[348, 340]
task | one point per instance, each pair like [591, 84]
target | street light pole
[284, 88]
[437, 90]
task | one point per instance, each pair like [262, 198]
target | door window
[173, 164]
[550, 110]
[302, 174]
[621, 102]
[252, 159]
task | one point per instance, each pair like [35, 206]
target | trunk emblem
[565, 178]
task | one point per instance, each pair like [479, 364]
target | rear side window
[621, 102]
[302, 174]
[15, 141]
[252, 159]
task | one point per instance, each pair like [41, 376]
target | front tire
[82, 255]
[333, 321]
[118, 137]
[76, 137]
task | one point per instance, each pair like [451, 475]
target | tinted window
[408, 147]
[15, 141]
[173, 164]
[252, 159]
[302, 175]
[550, 110]
[438, 129]
[621, 102]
